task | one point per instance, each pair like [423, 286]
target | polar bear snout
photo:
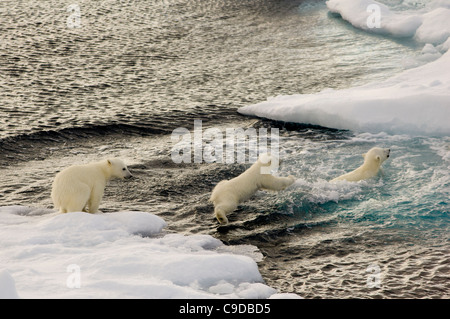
[385, 153]
[128, 175]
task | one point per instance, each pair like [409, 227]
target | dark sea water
[131, 71]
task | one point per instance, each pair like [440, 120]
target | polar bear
[229, 193]
[78, 186]
[372, 162]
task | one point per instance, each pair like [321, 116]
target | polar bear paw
[221, 216]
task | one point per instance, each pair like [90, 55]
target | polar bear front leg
[95, 199]
[221, 216]
[222, 210]
[275, 183]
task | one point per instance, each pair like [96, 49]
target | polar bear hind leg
[77, 201]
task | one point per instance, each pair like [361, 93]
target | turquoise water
[410, 194]
[398, 221]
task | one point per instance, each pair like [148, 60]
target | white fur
[227, 194]
[79, 186]
[372, 162]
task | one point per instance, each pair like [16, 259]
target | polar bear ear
[109, 162]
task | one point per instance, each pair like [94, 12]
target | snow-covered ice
[118, 255]
[359, 12]
[416, 101]
[429, 26]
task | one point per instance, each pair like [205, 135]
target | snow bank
[117, 255]
[359, 12]
[430, 27]
[435, 27]
[417, 101]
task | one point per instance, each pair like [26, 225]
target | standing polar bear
[372, 162]
[79, 186]
[227, 194]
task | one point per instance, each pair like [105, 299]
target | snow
[358, 12]
[118, 255]
[416, 101]
[7, 286]
[435, 28]
[426, 27]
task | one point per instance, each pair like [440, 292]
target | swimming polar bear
[372, 162]
[78, 186]
[227, 194]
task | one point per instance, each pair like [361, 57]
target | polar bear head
[267, 162]
[376, 156]
[118, 169]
